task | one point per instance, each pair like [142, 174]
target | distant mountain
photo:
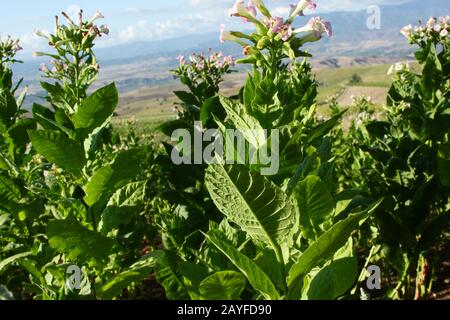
[147, 63]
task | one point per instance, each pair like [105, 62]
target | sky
[143, 20]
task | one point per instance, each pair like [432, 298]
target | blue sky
[142, 20]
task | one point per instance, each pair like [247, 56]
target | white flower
[97, 16]
[398, 67]
[301, 6]
[40, 33]
[407, 31]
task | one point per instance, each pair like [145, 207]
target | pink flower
[285, 32]
[407, 31]
[293, 7]
[223, 34]
[300, 7]
[43, 67]
[314, 29]
[252, 8]
[200, 65]
[275, 24]
[229, 60]
[181, 60]
[444, 33]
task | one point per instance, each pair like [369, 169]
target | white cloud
[31, 42]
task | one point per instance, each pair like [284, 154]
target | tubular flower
[407, 31]
[181, 60]
[252, 8]
[300, 7]
[314, 29]
[97, 16]
[239, 10]
[275, 24]
[227, 36]
[261, 7]
[285, 32]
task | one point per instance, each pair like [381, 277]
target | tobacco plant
[405, 159]
[281, 235]
[91, 199]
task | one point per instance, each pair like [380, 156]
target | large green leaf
[112, 177]
[314, 204]
[248, 126]
[333, 280]
[69, 237]
[223, 285]
[254, 274]
[122, 206]
[9, 190]
[253, 202]
[57, 148]
[169, 276]
[96, 109]
[136, 273]
[18, 131]
[326, 246]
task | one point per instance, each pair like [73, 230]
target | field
[148, 107]
[328, 181]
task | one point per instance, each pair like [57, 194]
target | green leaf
[42, 115]
[193, 274]
[333, 280]
[169, 276]
[223, 285]
[250, 128]
[58, 149]
[254, 274]
[169, 127]
[211, 107]
[69, 237]
[136, 273]
[432, 73]
[314, 204]
[187, 98]
[112, 177]
[8, 108]
[122, 206]
[15, 258]
[325, 247]
[323, 128]
[95, 110]
[251, 201]
[18, 132]
[9, 190]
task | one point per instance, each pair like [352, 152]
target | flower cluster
[274, 33]
[210, 67]
[435, 30]
[399, 67]
[8, 49]
[74, 63]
